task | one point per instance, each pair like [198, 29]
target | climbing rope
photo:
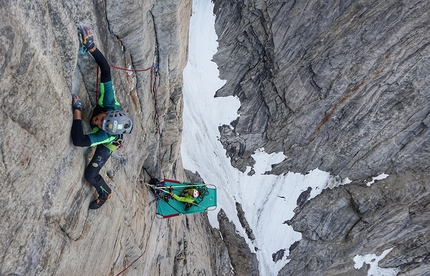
[164, 189]
[154, 89]
[131, 70]
[118, 68]
[144, 251]
[178, 186]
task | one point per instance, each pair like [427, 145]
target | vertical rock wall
[335, 85]
[341, 86]
[46, 227]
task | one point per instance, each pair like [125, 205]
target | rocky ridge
[341, 86]
[335, 85]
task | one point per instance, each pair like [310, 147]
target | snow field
[267, 200]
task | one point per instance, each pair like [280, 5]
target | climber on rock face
[187, 196]
[108, 123]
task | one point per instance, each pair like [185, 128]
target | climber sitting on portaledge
[187, 196]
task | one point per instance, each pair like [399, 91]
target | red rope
[119, 68]
[131, 70]
[146, 247]
[154, 87]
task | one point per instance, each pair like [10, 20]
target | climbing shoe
[86, 37]
[100, 201]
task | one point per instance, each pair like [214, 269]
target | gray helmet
[116, 122]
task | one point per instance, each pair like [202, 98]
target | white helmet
[196, 193]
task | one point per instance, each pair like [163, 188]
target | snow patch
[264, 161]
[346, 181]
[379, 177]
[373, 260]
[268, 201]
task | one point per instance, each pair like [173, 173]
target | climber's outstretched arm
[78, 137]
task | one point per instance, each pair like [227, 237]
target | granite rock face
[244, 262]
[335, 85]
[338, 85]
[46, 227]
[341, 86]
[358, 220]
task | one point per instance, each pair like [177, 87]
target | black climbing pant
[105, 75]
[102, 153]
[92, 172]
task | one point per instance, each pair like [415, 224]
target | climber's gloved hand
[77, 104]
[87, 37]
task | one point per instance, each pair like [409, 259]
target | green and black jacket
[106, 102]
